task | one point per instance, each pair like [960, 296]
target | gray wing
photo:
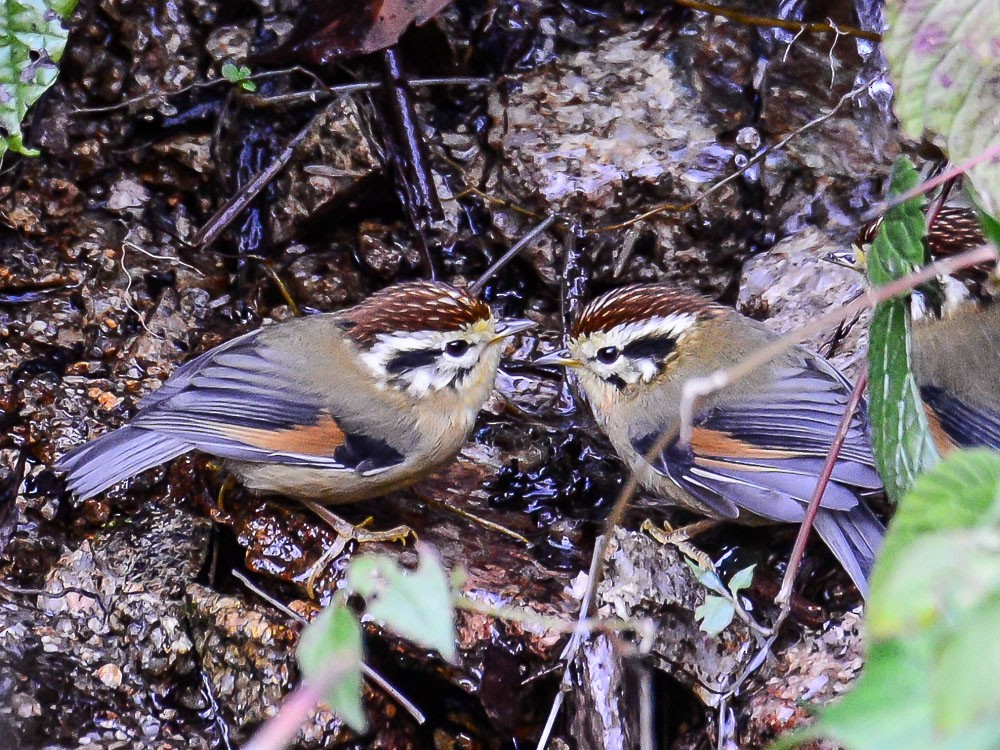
[240, 401]
[764, 456]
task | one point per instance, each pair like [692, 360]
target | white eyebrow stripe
[662, 325]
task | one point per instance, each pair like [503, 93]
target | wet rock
[107, 656]
[333, 158]
[812, 671]
[793, 284]
[248, 657]
[647, 579]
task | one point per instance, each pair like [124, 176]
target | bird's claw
[679, 538]
[348, 532]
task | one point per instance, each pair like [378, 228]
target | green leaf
[991, 228]
[330, 654]
[742, 579]
[32, 40]
[715, 614]
[238, 75]
[944, 61]
[416, 605]
[901, 436]
[961, 492]
[933, 618]
[706, 577]
[898, 248]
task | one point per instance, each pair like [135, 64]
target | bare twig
[576, 639]
[477, 286]
[748, 19]
[313, 96]
[925, 187]
[785, 593]
[235, 205]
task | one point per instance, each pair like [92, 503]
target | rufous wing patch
[706, 442]
[942, 440]
[319, 439]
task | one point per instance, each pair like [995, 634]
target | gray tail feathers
[121, 454]
[854, 537]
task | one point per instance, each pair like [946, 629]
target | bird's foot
[679, 538]
[348, 532]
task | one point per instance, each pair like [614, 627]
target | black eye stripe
[652, 347]
[411, 360]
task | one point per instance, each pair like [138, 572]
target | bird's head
[426, 336]
[630, 338]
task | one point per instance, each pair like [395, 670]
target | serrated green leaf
[32, 40]
[898, 248]
[930, 679]
[901, 437]
[715, 614]
[416, 605]
[330, 653]
[944, 61]
[991, 228]
[938, 575]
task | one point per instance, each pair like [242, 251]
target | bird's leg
[347, 532]
[679, 538]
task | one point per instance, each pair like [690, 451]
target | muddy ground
[122, 623]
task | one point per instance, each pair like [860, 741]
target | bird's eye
[608, 355]
[456, 348]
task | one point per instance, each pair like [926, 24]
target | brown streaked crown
[414, 306]
[634, 303]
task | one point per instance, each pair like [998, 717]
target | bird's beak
[559, 358]
[509, 327]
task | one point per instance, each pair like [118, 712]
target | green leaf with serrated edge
[741, 579]
[939, 575]
[944, 62]
[991, 228]
[330, 653]
[32, 40]
[961, 492]
[898, 247]
[934, 611]
[715, 614]
[416, 605]
[901, 437]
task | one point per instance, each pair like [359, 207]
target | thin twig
[748, 19]
[785, 593]
[235, 205]
[697, 388]
[925, 187]
[477, 286]
[312, 96]
[569, 652]
[367, 671]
